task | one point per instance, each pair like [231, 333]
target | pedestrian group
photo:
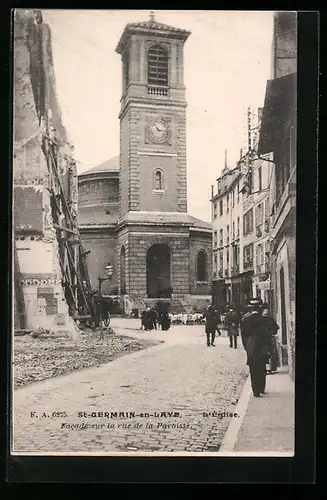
[153, 320]
[258, 333]
[256, 326]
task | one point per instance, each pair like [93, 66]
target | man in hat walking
[210, 326]
[255, 338]
[232, 326]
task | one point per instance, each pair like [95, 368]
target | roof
[151, 26]
[166, 218]
[278, 111]
[111, 165]
[98, 217]
[229, 176]
[201, 224]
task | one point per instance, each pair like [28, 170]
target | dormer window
[158, 66]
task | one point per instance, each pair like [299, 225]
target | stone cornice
[200, 230]
[144, 102]
[97, 227]
[152, 224]
[151, 30]
[98, 175]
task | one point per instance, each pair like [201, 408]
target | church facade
[133, 208]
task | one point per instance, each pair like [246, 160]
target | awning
[278, 111]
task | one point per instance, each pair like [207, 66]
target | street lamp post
[109, 272]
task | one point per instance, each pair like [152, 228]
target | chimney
[241, 154]
[211, 190]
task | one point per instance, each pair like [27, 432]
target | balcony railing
[248, 264]
[235, 270]
[260, 268]
[258, 230]
[155, 90]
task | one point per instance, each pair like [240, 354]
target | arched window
[202, 266]
[158, 66]
[158, 180]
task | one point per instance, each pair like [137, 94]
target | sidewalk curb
[231, 435]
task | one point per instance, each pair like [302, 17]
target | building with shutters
[228, 279]
[241, 230]
[278, 138]
[133, 208]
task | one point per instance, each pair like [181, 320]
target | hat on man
[254, 303]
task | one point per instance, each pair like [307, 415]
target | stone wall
[36, 111]
[151, 199]
[98, 190]
[139, 159]
[200, 241]
[138, 246]
[103, 246]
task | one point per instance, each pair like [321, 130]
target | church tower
[153, 174]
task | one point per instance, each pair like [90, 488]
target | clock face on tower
[158, 131]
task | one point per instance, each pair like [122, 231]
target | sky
[227, 61]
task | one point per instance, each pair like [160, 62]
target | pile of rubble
[43, 354]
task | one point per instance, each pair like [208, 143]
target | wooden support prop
[63, 228]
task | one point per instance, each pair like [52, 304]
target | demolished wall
[37, 113]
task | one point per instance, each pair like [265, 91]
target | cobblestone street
[181, 376]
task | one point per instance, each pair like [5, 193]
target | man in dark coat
[232, 322]
[255, 339]
[148, 320]
[217, 314]
[210, 326]
[165, 321]
[143, 314]
[153, 315]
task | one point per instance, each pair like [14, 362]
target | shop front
[245, 287]
[218, 293]
[262, 288]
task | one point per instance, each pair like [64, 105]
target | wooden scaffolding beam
[72, 256]
[19, 293]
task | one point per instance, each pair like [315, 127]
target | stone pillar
[180, 64]
[173, 65]
[143, 63]
[134, 61]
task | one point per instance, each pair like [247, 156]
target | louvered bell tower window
[158, 70]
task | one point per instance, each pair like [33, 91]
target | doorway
[283, 305]
[158, 266]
